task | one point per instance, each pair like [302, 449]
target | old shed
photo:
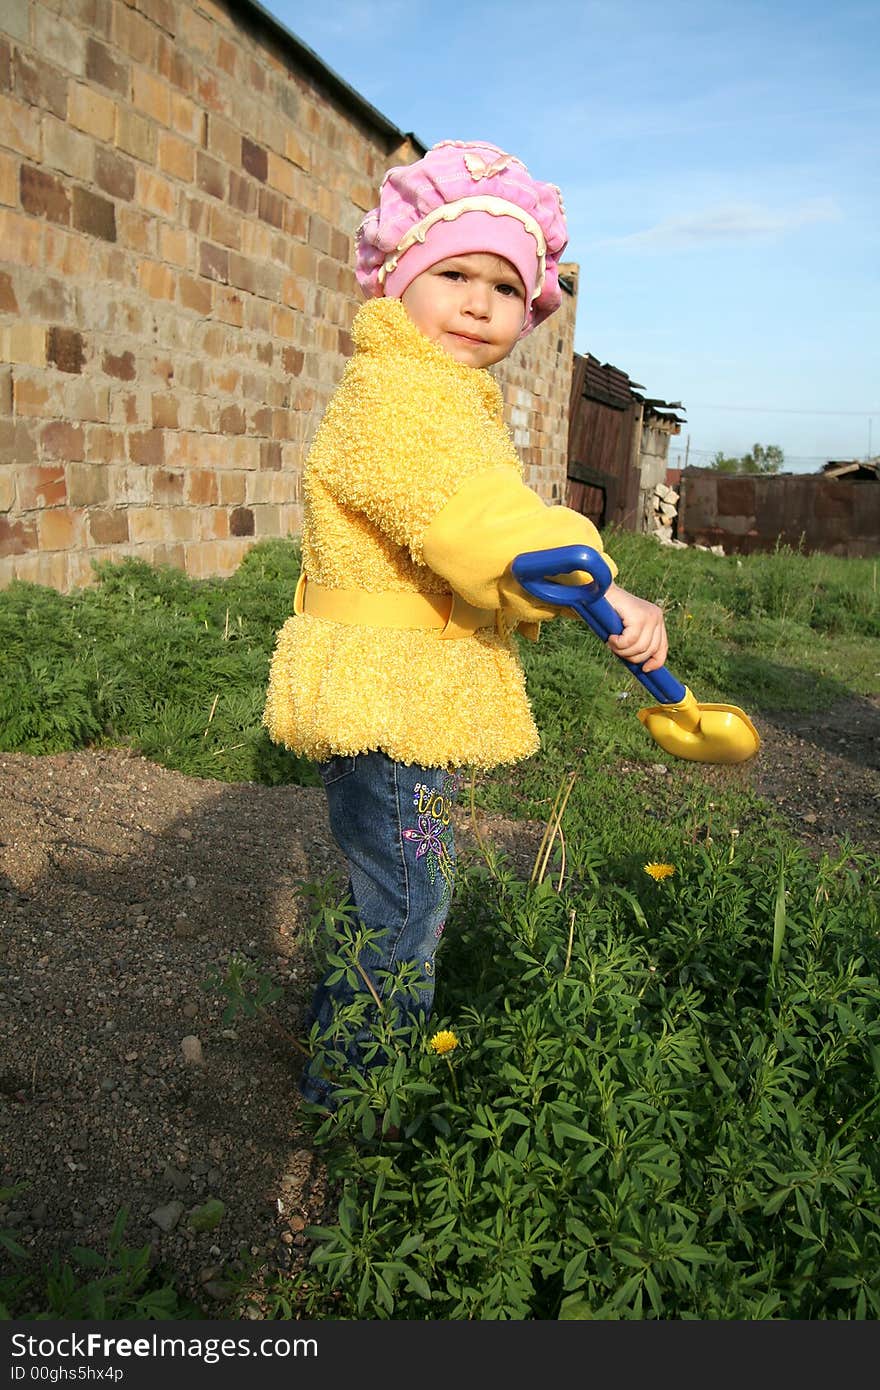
[618, 445]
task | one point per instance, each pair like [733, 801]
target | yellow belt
[449, 614]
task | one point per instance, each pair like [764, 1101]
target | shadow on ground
[125, 887]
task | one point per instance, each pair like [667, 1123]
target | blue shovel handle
[589, 602]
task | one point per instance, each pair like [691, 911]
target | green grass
[664, 1102]
[177, 668]
[172, 667]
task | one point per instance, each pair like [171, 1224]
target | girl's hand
[643, 640]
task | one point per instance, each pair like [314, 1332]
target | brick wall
[536, 383]
[178, 199]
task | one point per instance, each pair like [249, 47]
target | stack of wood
[661, 509]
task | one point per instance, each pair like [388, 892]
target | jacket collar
[383, 326]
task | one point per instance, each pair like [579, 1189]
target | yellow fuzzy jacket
[413, 483]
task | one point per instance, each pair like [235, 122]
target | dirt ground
[122, 887]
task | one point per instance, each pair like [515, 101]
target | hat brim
[472, 232]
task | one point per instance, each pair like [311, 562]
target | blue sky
[720, 165]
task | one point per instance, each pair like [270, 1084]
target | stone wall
[654, 495]
[179, 190]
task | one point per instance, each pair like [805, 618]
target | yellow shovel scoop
[704, 733]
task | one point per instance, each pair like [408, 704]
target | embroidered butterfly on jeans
[432, 848]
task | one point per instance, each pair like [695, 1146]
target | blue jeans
[393, 823]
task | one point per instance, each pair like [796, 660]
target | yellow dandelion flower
[658, 871]
[443, 1042]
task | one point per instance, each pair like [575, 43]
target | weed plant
[663, 1103]
[122, 1283]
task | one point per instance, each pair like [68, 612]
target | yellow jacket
[413, 484]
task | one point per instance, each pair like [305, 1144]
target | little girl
[398, 668]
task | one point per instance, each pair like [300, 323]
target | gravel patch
[123, 887]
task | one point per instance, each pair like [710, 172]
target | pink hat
[463, 197]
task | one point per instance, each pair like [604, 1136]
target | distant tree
[725, 465]
[760, 459]
[763, 460]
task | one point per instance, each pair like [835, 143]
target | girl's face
[474, 306]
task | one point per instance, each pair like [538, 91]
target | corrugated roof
[611, 386]
[853, 470]
[605, 383]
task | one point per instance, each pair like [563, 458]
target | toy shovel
[704, 733]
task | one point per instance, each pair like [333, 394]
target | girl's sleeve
[445, 483]
[492, 518]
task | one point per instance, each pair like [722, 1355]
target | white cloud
[725, 223]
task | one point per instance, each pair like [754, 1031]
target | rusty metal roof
[604, 383]
[669, 413]
[854, 470]
[611, 386]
